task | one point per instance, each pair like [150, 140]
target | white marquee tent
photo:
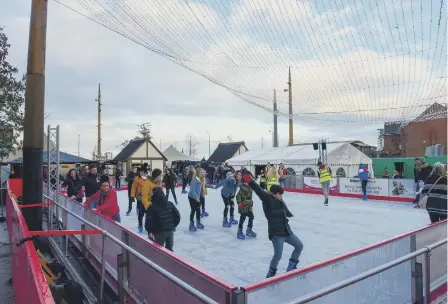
[172, 154]
[342, 157]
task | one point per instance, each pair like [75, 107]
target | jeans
[364, 187]
[228, 201]
[282, 182]
[117, 182]
[277, 243]
[202, 201]
[117, 217]
[165, 239]
[326, 188]
[93, 204]
[194, 206]
[141, 213]
[243, 216]
[184, 184]
[129, 196]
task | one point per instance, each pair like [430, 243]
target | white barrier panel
[313, 183]
[391, 286]
[375, 186]
[402, 187]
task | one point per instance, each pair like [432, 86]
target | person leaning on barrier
[105, 201]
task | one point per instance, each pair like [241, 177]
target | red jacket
[109, 208]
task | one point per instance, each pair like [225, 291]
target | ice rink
[345, 225]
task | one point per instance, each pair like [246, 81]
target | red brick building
[412, 139]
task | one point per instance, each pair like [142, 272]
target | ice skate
[128, 212]
[292, 265]
[250, 233]
[199, 225]
[272, 272]
[204, 213]
[140, 229]
[240, 235]
[326, 202]
[192, 227]
[225, 223]
[233, 221]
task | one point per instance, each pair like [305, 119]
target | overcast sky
[140, 86]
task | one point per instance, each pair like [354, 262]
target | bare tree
[229, 138]
[144, 130]
[192, 145]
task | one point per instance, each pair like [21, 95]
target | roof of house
[64, 158]
[132, 147]
[225, 151]
[436, 110]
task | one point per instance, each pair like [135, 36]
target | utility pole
[275, 138]
[79, 142]
[189, 146]
[160, 144]
[262, 142]
[291, 129]
[33, 129]
[99, 120]
[209, 144]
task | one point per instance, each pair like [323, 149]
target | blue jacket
[229, 187]
[195, 189]
[363, 174]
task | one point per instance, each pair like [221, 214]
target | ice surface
[345, 225]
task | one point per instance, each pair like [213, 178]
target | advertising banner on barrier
[402, 187]
[312, 183]
[375, 186]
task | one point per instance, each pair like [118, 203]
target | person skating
[279, 230]
[263, 179]
[91, 182]
[105, 201]
[229, 186]
[282, 175]
[170, 181]
[324, 173]
[245, 205]
[130, 180]
[204, 191]
[118, 179]
[363, 174]
[194, 197]
[74, 186]
[162, 218]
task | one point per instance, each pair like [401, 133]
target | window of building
[308, 172]
[340, 172]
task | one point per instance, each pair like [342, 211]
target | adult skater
[162, 218]
[204, 190]
[263, 179]
[245, 205]
[91, 181]
[229, 186]
[279, 230]
[170, 181]
[140, 190]
[272, 177]
[105, 201]
[324, 173]
[282, 175]
[130, 180]
[194, 197]
[363, 174]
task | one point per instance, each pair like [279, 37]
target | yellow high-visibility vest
[270, 182]
[324, 175]
[263, 178]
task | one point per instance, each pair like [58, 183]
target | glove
[240, 205]
[132, 199]
[247, 177]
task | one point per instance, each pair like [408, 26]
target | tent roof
[64, 158]
[224, 151]
[175, 155]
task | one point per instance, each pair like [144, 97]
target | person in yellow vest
[262, 180]
[324, 173]
[272, 178]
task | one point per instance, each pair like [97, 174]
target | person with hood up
[170, 181]
[363, 173]
[229, 186]
[279, 231]
[324, 173]
[194, 197]
[130, 180]
[162, 218]
[74, 186]
[245, 205]
[105, 201]
[91, 181]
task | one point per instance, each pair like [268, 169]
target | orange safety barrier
[64, 232]
[37, 205]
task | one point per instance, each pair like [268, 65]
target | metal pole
[33, 127]
[120, 273]
[58, 182]
[291, 126]
[103, 268]
[99, 120]
[426, 276]
[49, 220]
[209, 144]
[79, 142]
[275, 141]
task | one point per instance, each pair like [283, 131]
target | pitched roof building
[226, 151]
[141, 151]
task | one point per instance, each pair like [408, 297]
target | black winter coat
[275, 211]
[161, 216]
[170, 181]
[91, 184]
[130, 178]
[74, 187]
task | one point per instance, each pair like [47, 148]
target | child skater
[194, 197]
[279, 230]
[203, 192]
[245, 203]
[228, 191]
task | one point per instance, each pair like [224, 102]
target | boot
[226, 223]
[326, 202]
[199, 225]
[140, 229]
[292, 265]
[240, 235]
[271, 273]
[204, 213]
[250, 233]
[128, 212]
[233, 221]
[192, 227]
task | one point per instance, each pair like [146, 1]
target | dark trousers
[228, 202]
[165, 239]
[263, 185]
[436, 217]
[364, 187]
[129, 196]
[168, 193]
[243, 216]
[202, 202]
[194, 206]
[184, 184]
[141, 213]
[117, 182]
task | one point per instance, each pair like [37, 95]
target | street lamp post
[209, 144]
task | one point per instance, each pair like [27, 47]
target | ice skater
[130, 180]
[245, 205]
[324, 173]
[272, 177]
[201, 172]
[279, 230]
[194, 197]
[140, 192]
[229, 186]
[170, 181]
[363, 174]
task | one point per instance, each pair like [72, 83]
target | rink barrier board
[192, 275]
[26, 270]
[412, 242]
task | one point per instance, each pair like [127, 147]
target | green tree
[12, 100]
